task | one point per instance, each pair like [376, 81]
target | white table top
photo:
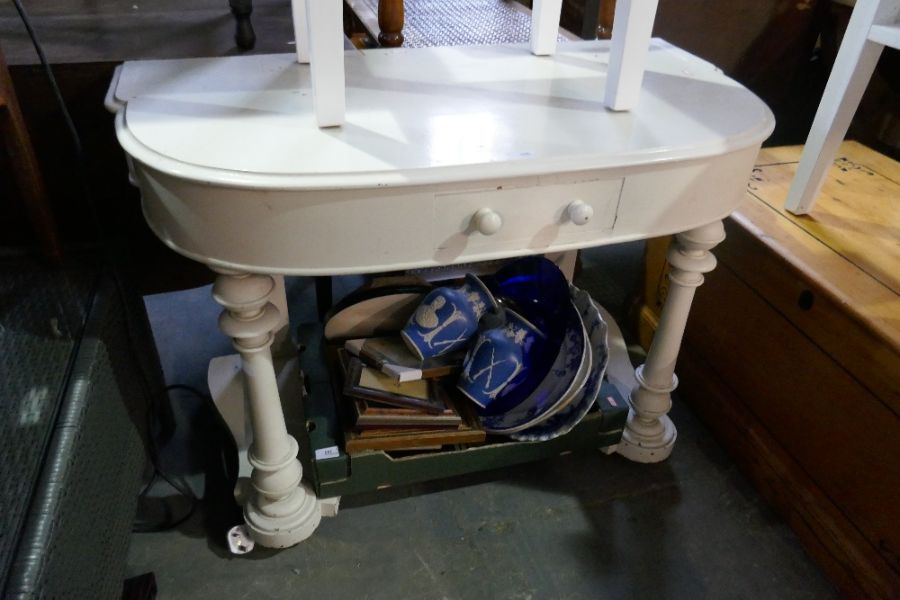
[426, 115]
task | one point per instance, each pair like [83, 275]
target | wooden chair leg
[605, 19]
[244, 36]
[390, 23]
[25, 170]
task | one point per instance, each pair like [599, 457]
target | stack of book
[397, 402]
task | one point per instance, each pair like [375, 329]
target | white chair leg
[850, 75]
[632, 28]
[301, 30]
[545, 26]
[326, 60]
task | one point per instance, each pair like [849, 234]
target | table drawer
[536, 217]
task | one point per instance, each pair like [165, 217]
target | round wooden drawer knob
[579, 212]
[487, 222]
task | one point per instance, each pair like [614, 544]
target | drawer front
[530, 217]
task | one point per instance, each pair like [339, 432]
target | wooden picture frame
[370, 384]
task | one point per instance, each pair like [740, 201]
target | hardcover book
[391, 356]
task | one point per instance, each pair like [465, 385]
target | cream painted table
[446, 155]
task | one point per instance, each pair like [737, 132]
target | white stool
[872, 26]
[318, 32]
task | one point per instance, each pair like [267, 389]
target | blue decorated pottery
[566, 418]
[565, 377]
[447, 318]
[496, 358]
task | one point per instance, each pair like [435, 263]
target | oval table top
[426, 115]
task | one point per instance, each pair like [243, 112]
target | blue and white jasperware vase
[497, 357]
[447, 318]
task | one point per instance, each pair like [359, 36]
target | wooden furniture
[797, 373]
[444, 156]
[478, 22]
[25, 168]
[873, 26]
[244, 36]
[390, 23]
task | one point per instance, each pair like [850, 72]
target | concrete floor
[578, 526]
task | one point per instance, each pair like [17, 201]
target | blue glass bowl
[535, 288]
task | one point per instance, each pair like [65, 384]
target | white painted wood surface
[235, 172]
[632, 29]
[301, 30]
[317, 22]
[872, 25]
[426, 116]
[280, 510]
[488, 127]
[545, 26]
[325, 20]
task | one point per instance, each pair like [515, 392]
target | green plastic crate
[342, 475]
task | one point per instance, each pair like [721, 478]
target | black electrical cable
[64, 109]
[158, 473]
[81, 163]
[228, 467]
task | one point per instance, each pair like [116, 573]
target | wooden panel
[840, 308]
[25, 168]
[792, 355]
[857, 214]
[830, 537]
[846, 440]
[656, 288]
[844, 259]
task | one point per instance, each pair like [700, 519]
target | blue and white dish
[559, 383]
[568, 417]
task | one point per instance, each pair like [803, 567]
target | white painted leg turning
[280, 511]
[649, 434]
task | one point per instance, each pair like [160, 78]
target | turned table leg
[280, 510]
[649, 434]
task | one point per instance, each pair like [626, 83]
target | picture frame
[370, 384]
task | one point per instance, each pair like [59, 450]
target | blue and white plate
[565, 419]
[569, 371]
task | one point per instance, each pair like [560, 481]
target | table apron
[316, 232]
